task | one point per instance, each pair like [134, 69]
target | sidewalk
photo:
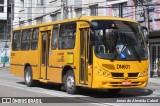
[6, 65]
[155, 80]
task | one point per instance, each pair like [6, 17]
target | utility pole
[12, 10]
[62, 9]
[5, 58]
[145, 12]
[148, 17]
[120, 10]
[71, 15]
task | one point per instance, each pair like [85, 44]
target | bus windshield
[118, 40]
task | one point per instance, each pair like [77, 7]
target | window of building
[54, 37]
[124, 9]
[56, 16]
[29, 9]
[120, 10]
[25, 42]
[22, 4]
[39, 20]
[16, 40]
[34, 42]
[21, 23]
[139, 13]
[1, 9]
[1, 1]
[67, 36]
[29, 21]
[40, 2]
[94, 10]
[78, 12]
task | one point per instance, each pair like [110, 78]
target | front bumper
[106, 82]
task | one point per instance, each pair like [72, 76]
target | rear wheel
[28, 79]
[69, 82]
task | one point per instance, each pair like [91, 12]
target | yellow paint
[58, 59]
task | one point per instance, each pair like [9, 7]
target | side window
[67, 36]
[16, 40]
[26, 35]
[54, 37]
[34, 42]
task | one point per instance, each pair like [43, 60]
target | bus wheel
[69, 84]
[28, 77]
[114, 91]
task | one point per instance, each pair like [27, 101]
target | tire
[114, 91]
[28, 79]
[69, 83]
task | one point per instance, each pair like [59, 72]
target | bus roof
[85, 18]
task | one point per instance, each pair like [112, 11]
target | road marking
[59, 95]
[33, 90]
[156, 93]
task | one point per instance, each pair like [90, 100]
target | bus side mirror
[145, 33]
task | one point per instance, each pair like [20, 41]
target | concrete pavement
[6, 65]
[155, 80]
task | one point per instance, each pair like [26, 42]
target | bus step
[44, 81]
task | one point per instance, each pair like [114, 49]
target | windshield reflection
[119, 40]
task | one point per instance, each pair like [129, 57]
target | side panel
[22, 57]
[54, 73]
[61, 56]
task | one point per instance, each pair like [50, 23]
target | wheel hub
[70, 82]
[28, 77]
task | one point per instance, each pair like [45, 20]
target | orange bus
[93, 52]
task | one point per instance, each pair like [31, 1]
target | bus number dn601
[123, 66]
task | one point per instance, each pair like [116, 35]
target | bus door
[84, 38]
[44, 53]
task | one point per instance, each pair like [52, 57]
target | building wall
[3, 20]
[3, 15]
[30, 12]
[17, 13]
[33, 12]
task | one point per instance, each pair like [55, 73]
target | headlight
[107, 74]
[103, 72]
[144, 73]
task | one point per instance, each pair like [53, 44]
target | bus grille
[133, 74]
[120, 75]
[117, 74]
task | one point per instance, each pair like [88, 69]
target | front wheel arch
[64, 71]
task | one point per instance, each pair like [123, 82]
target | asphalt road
[12, 86]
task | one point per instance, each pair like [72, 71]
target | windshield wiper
[135, 53]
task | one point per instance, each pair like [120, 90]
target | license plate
[126, 83]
